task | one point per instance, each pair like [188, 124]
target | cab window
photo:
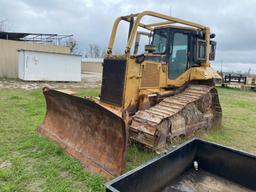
[160, 40]
[178, 58]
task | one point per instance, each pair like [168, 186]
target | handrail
[137, 23]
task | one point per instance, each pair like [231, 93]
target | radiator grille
[113, 81]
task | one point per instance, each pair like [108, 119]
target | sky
[90, 21]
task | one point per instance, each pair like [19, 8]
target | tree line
[92, 51]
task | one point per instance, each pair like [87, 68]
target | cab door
[178, 58]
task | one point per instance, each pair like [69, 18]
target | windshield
[160, 40]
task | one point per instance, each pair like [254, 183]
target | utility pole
[170, 11]
[249, 71]
[221, 63]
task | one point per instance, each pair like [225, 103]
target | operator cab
[179, 48]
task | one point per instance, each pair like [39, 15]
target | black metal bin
[218, 167]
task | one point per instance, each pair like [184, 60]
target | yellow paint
[133, 88]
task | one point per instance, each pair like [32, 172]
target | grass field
[29, 162]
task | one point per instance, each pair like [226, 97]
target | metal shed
[11, 42]
[48, 66]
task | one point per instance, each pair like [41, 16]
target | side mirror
[212, 36]
[213, 49]
[200, 53]
[150, 48]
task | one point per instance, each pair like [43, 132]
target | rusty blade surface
[87, 131]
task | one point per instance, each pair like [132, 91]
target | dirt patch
[65, 174]
[76, 185]
[89, 80]
[36, 186]
[30, 162]
[5, 164]
[80, 187]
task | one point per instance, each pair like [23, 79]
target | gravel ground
[89, 80]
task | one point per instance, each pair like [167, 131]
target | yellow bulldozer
[167, 91]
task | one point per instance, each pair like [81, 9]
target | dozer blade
[87, 131]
